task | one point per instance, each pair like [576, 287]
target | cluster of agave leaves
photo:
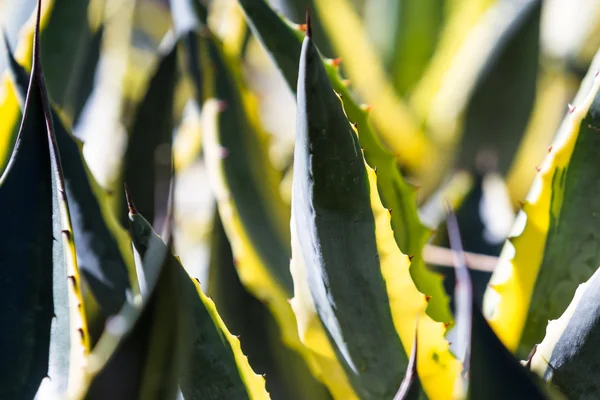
[90, 310]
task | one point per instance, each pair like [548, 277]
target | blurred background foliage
[445, 62]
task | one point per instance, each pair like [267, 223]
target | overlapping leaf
[568, 355]
[99, 256]
[283, 42]
[287, 376]
[44, 349]
[348, 272]
[552, 249]
[477, 345]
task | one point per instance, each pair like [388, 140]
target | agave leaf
[567, 357]
[177, 329]
[245, 185]
[295, 10]
[406, 33]
[47, 341]
[342, 240]
[552, 246]
[283, 42]
[100, 261]
[140, 354]
[505, 377]
[215, 367]
[246, 316]
[492, 77]
[150, 137]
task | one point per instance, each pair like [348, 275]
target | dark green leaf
[287, 375]
[98, 255]
[568, 356]
[34, 288]
[283, 44]
[336, 232]
[209, 370]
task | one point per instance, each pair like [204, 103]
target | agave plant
[332, 268]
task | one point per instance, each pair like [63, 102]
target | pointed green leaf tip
[212, 363]
[335, 228]
[283, 42]
[98, 254]
[39, 283]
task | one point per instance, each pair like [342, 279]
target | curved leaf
[568, 355]
[283, 42]
[176, 335]
[348, 272]
[215, 367]
[490, 370]
[100, 261]
[246, 187]
[44, 347]
[552, 248]
[287, 375]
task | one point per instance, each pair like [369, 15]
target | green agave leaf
[551, 249]
[406, 34]
[283, 42]
[215, 367]
[490, 370]
[295, 10]
[286, 373]
[177, 336]
[567, 357]
[341, 241]
[150, 137]
[246, 187]
[100, 261]
[140, 354]
[46, 342]
[504, 86]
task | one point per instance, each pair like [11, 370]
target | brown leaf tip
[130, 205]
[308, 25]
